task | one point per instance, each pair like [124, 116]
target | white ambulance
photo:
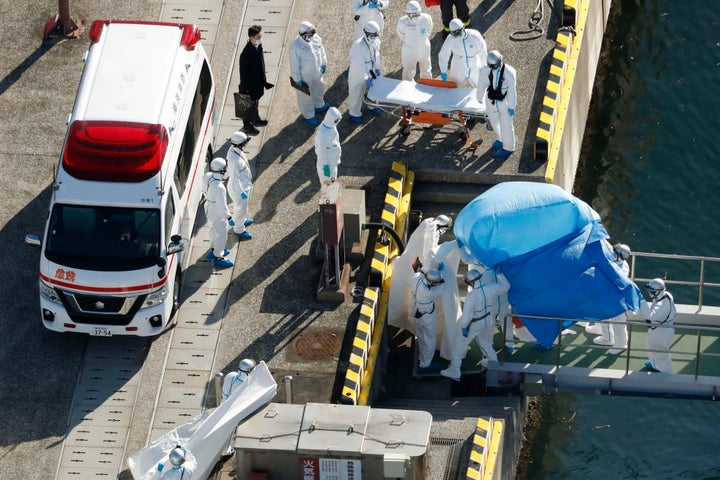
[128, 182]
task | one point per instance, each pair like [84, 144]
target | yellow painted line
[494, 450]
[544, 135]
[581, 7]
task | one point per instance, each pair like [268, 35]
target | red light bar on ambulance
[191, 34]
[114, 151]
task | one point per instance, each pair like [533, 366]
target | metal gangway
[576, 364]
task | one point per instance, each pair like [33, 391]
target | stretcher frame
[464, 112]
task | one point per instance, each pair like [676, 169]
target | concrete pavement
[271, 293]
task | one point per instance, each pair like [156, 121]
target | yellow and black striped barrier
[548, 115]
[368, 334]
[389, 217]
[360, 348]
[485, 449]
[570, 8]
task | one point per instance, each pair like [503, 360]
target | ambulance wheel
[208, 159]
[177, 291]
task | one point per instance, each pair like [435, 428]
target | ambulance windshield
[103, 238]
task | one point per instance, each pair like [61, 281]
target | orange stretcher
[428, 101]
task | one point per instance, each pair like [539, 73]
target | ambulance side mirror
[176, 245]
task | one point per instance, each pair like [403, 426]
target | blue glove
[299, 82]
[372, 5]
[323, 69]
[243, 195]
[377, 72]
[465, 332]
[443, 75]
[231, 222]
[511, 111]
[368, 82]
[326, 170]
[441, 265]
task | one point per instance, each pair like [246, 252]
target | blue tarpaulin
[552, 248]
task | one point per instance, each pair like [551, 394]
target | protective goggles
[308, 34]
[370, 35]
[495, 66]
[413, 15]
[458, 32]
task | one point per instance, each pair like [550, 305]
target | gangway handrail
[701, 283]
[699, 329]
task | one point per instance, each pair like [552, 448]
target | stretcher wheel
[405, 130]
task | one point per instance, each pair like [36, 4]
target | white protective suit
[479, 312]
[216, 211]
[364, 58]
[424, 312]
[618, 333]
[239, 186]
[660, 315]
[363, 12]
[415, 35]
[614, 334]
[327, 146]
[468, 52]
[167, 471]
[179, 472]
[497, 111]
[233, 381]
[307, 60]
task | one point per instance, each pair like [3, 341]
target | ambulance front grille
[95, 304]
[101, 309]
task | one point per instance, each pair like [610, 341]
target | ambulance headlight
[49, 293]
[155, 298]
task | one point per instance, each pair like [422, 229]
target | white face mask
[258, 42]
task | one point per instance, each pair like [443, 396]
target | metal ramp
[576, 364]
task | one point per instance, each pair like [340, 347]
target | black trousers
[252, 114]
[446, 10]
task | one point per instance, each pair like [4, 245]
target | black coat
[252, 71]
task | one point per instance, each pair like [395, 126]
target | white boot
[451, 372]
[593, 329]
[602, 341]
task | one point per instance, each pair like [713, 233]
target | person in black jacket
[252, 78]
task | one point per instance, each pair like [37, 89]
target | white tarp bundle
[423, 244]
[205, 437]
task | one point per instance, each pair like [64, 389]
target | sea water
[651, 167]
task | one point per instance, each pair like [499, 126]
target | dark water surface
[651, 168]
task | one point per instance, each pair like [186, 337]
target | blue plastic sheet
[553, 249]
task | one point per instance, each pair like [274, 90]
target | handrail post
[560, 329]
[702, 282]
[697, 354]
[629, 343]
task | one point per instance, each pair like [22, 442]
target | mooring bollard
[219, 377]
[287, 381]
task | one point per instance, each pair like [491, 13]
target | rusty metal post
[71, 28]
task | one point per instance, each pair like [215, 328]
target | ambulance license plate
[101, 332]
